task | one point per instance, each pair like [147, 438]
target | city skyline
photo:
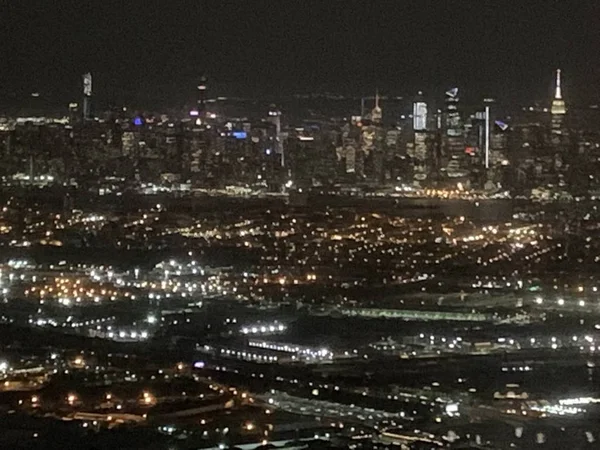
[38, 103]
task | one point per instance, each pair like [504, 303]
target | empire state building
[558, 108]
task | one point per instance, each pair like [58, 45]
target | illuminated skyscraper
[369, 161]
[420, 151]
[483, 124]
[558, 104]
[275, 119]
[87, 96]
[201, 100]
[376, 113]
[453, 122]
[421, 154]
[486, 140]
[454, 136]
[419, 114]
[558, 109]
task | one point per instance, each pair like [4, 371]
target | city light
[72, 399]
[148, 399]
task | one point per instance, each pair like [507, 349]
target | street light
[71, 399]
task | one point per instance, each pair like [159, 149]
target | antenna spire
[558, 93]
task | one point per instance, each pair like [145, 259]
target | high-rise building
[376, 112]
[304, 152]
[276, 138]
[420, 148]
[421, 153]
[74, 113]
[453, 121]
[347, 150]
[486, 136]
[419, 113]
[454, 138]
[558, 109]
[201, 100]
[87, 96]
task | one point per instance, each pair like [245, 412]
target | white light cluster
[248, 355]
[557, 410]
[128, 335]
[264, 329]
[300, 351]
[578, 401]
[18, 263]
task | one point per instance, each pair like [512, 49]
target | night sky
[153, 52]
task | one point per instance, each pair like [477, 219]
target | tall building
[421, 155]
[419, 113]
[420, 149]
[201, 100]
[485, 134]
[275, 119]
[370, 161]
[74, 113]
[454, 138]
[376, 112]
[87, 96]
[487, 139]
[453, 121]
[558, 109]
[347, 150]
[303, 157]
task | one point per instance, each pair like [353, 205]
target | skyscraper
[419, 113]
[453, 122]
[74, 113]
[486, 140]
[454, 136]
[421, 152]
[275, 119]
[201, 100]
[87, 96]
[376, 113]
[558, 108]
[558, 104]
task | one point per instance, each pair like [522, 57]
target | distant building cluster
[314, 142]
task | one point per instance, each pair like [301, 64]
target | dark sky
[153, 52]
